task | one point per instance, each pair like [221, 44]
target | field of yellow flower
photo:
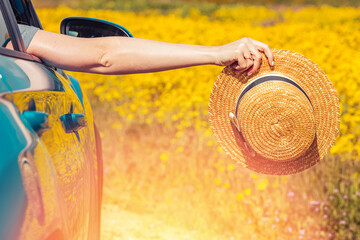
[161, 160]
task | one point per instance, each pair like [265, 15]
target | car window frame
[33, 14]
[14, 33]
[28, 7]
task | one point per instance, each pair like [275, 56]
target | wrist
[214, 56]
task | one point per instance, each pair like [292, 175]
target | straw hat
[281, 120]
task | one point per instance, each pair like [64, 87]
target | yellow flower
[254, 176]
[179, 134]
[247, 191]
[284, 179]
[263, 184]
[208, 132]
[227, 185]
[231, 167]
[148, 121]
[218, 182]
[180, 149]
[240, 197]
[164, 157]
[117, 125]
[220, 149]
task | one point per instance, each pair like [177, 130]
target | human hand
[244, 55]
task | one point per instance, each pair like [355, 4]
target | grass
[160, 156]
[198, 189]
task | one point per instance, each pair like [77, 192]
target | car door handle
[72, 122]
[38, 121]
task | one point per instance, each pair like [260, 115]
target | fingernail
[272, 63]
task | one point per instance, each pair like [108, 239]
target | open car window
[11, 41]
[5, 39]
[24, 13]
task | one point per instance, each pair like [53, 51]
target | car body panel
[70, 162]
[75, 85]
[50, 164]
[57, 170]
[12, 78]
[10, 177]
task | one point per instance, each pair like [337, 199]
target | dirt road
[118, 224]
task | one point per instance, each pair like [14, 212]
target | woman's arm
[122, 55]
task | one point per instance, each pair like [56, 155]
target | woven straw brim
[318, 89]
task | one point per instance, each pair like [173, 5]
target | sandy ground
[117, 224]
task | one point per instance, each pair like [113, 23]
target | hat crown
[322, 103]
[276, 118]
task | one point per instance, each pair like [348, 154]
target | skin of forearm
[122, 55]
[117, 55]
[135, 55]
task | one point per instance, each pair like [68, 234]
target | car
[50, 149]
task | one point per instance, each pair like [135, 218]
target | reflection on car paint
[11, 76]
[43, 94]
[39, 79]
[19, 154]
[76, 87]
[63, 151]
[63, 161]
[50, 175]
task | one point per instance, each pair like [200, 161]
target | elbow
[105, 62]
[109, 56]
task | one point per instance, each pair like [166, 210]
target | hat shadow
[260, 164]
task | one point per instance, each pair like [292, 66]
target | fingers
[242, 65]
[250, 61]
[249, 57]
[257, 59]
[267, 50]
[249, 64]
[247, 54]
[244, 60]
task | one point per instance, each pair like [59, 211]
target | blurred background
[165, 176]
[170, 4]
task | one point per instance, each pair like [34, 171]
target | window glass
[4, 33]
[22, 12]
